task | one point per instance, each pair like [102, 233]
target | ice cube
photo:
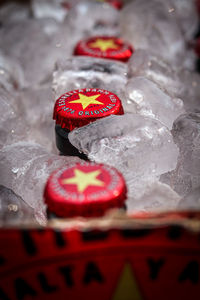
[13, 210]
[178, 83]
[191, 201]
[151, 25]
[37, 107]
[154, 197]
[186, 134]
[146, 98]
[11, 74]
[83, 72]
[93, 18]
[186, 14]
[49, 9]
[13, 12]
[140, 147]
[190, 90]
[37, 44]
[153, 67]
[25, 167]
[12, 128]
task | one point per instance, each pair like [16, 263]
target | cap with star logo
[85, 189]
[81, 107]
[104, 47]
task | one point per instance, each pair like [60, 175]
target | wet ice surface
[186, 134]
[25, 167]
[13, 12]
[190, 201]
[153, 26]
[49, 9]
[12, 129]
[186, 14]
[90, 18]
[37, 44]
[37, 108]
[13, 210]
[146, 98]
[11, 74]
[83, 72]
[190, 91]
[140, 147]
[178, 84]
[154, 196]
[155, 68]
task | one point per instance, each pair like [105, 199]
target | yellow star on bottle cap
[87, 100]
[104, 45]
[83, 180]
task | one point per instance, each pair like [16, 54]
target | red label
[140, 263]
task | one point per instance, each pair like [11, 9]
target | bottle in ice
[77, 108]
[84, 189]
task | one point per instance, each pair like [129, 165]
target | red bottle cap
[86, 189]
[80, 107]
[104, 47]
